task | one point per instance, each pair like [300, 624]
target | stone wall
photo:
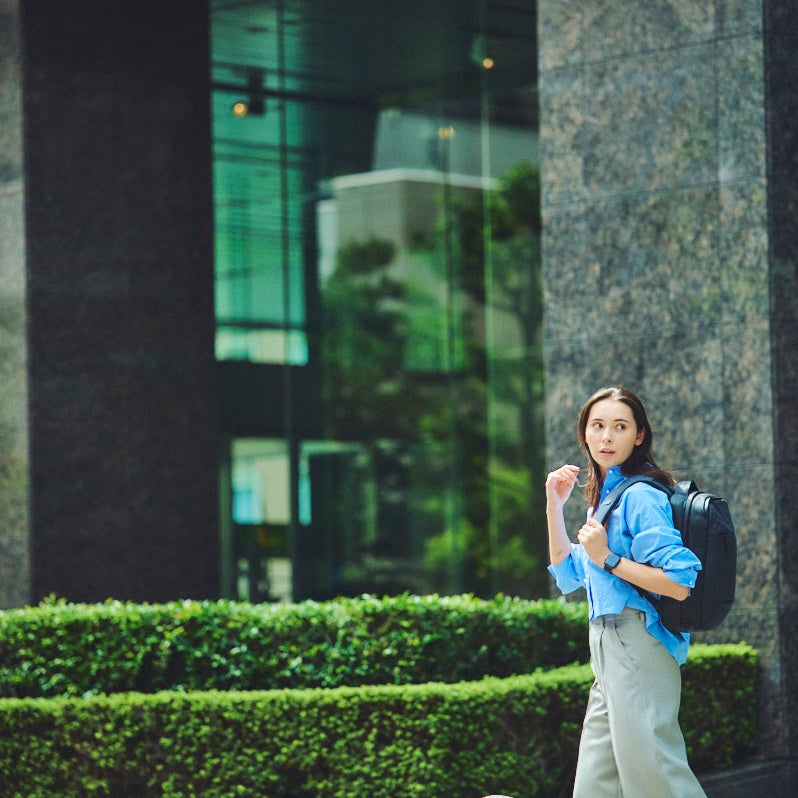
[659, 269]
[781, 89]
[14, 561]
[119, 268]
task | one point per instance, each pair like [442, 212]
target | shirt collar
[613, 478]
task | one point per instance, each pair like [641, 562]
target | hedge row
[517, 736]
[81, 650]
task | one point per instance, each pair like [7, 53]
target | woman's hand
[593, 537]
[560, 484]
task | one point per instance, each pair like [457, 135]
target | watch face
[611, 561]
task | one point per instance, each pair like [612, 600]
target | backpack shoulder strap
[613, 497]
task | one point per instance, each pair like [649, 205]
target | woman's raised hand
[560, 483]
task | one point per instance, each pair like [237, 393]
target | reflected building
[354, 209]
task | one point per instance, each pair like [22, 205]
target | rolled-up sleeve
[570, 573]
[655, 541]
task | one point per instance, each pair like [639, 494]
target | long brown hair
[640, 461]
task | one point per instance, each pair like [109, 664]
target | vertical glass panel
[378, 237]
[259, 249]
[261, 510]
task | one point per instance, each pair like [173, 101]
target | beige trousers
[632, 746]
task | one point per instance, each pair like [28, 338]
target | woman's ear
[641, 436]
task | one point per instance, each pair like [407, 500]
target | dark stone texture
[738, 17]
[781, 90]
[746, 396]
[743, 251]
[594, 31]
[775, 779]
[595, 109]
[741, 109]
[14, 526]
[635, 259]
[670, 240]
[10, 94]
[123, 408]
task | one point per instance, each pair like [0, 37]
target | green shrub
[517, 735]
[718, 702]
[80, 650]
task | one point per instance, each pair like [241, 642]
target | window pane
[378, 236]
[261, 509]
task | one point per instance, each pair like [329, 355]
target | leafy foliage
[518, 735]
[80, 650]
[718, 703]
[437, 347]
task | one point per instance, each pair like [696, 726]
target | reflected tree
[453, 421]
[496, 238]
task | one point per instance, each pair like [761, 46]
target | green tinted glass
[377, 276]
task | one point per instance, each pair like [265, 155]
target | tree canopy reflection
[448, 423]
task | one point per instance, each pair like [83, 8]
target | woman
[631, 743]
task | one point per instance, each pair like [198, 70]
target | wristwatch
[611, 562]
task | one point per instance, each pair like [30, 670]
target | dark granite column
[14, 562]
[123, 419]
[781, 91]
[668, 175]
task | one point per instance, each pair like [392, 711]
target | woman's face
[611, 433]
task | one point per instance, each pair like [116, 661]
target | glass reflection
[377, 268]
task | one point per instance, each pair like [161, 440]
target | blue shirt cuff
[565, 575]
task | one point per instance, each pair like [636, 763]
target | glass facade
[378, 297]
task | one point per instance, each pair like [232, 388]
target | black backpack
[707, 530]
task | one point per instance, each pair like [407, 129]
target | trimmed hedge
[517, 735]
[81, 650]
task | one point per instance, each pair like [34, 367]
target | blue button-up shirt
[640, 528]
